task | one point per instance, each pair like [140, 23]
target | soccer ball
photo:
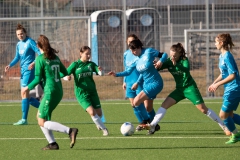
[127, 129]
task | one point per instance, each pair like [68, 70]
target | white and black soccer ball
[127, 129]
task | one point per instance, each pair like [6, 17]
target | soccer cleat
[105, 132]
[72, 135]
[98, 128]
[21, 122]
[234, 138]
[142, 126]
[52, 146]
[157, 128]
[151, 129]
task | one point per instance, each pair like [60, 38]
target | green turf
[185, 134]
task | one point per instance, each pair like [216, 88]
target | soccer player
[25, 52]
[128, 58]
[152, 80]
[48, 66]
[229, 77]
[85, 87]
[178, 65]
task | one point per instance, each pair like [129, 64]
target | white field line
[72, 104]
[124, 137]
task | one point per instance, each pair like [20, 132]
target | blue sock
[34, 102]
[25, 108]
[151, 115]
[139, 117]
[229, 123]
[236, 119]
[142, 111]
[103, 118]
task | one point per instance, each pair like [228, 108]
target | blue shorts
[26, 78]
[131, 93]
[230, 102]
[152, 89]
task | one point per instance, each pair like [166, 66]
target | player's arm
[70, 70]
[34, 47]
[16, 58]
[185, 67]
[38, 75]
[97, 69]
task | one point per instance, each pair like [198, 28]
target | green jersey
[83, 74]
[48, 71]
[180, 72]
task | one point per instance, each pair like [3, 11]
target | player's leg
[44, 120]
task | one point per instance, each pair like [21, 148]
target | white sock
[55, 126]
[212, 115]
[159, 115]
[97, 120]
[48, 134]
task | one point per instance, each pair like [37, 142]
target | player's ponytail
[43, 43]
[178, 48]
[227, 41]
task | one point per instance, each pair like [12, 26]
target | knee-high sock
[137, 114]
[159, 115]
[212, 115]
[34, 102]
[142, 111]
[236, 118]
[230, 124]
[55, 126]
[151, 115]
[97, 120]
[25, 108]
[48, 134]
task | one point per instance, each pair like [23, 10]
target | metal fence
[158, 23]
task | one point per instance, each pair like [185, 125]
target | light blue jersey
[231, 97]
[129, 60]
[227, 66]
[152, 81]
[25, 52]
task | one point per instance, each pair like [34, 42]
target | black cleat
[51, 146]
[157, 128]
[72, 135]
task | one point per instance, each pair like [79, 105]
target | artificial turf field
[185, 133]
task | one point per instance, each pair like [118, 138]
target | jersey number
[56, 70]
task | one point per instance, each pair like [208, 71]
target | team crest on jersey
[90, 68]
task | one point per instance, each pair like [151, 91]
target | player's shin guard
[212, 115]
[236, 118]
[159, 115]
[25, 108]
[34, 102]
[55, 126]
[97, 120]
[142, 111]
[137, 114]
[48, 134]
[229, 123]
[151, 115]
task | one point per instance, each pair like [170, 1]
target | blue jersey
[227, 66]
[129, 60]
[25, 52]
[147, 69]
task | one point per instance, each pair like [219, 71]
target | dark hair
[135, 44]
[43, 43]
[84, 48]
[178, 48]
[227, 41]
[20, 27]
[133, 36]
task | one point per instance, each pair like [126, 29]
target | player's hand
[67, 78]
[157, 64]
[111, 73]
[134, 86]
[31, 66]
[213, 87]
[124, 86]
[6, 68]
[100, 68]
